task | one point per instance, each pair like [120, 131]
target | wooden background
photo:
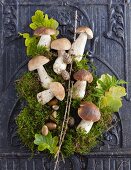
[110, 50]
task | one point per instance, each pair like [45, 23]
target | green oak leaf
[31, 45]
[46, 142]
[117, 91]
[43, 146]
[105, 82]
[40, 19]
[39, 139]
[109, 101]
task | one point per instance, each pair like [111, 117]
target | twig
[68, 105]
[76, 17]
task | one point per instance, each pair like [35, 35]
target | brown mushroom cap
[83, 75]
[44, 31]
[89, 111]
[58, 90]
[86, 30]
[61, 44]
[36, 62]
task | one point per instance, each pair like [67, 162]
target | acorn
[53, 102]
[54, 114]
[44, 130]
[51, 125]
[71, 121]
[55, 107]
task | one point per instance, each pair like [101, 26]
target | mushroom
[37, 63]
[55, 107]
[45, 36]
[60, 45]
[78, 46]
[89, 113]
[71, 122]
[79, 88]
[55, 90]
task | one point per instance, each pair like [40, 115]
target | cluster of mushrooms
[55, 91]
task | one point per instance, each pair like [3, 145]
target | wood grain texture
[110, 50]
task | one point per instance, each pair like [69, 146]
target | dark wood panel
[110, 21]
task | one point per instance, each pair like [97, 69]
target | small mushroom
[44, 33]
[60, 45]
[71, 121]
[78, 46]
[55, 107]
[89, 113]
[55, 90]
[37, 63]
[79, 88]
[51, 125]
[44, 130]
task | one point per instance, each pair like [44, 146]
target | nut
[51, 125]
[44, 130]
[54, 114]
[71, 121]
[55, 107]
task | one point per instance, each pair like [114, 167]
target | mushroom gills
[86, 125]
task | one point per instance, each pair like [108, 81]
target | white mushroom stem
[45, 40]
[45, 96]
[59, 64]
[78, 47]
[86, 125]
[79, 89]
[44, 77]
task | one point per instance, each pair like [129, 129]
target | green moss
[81, 64]
[34, 115]
[30, 121]
[75, 103]
[68, 148]
[28, 85]
[83, 143]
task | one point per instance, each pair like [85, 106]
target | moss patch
[34, 115]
